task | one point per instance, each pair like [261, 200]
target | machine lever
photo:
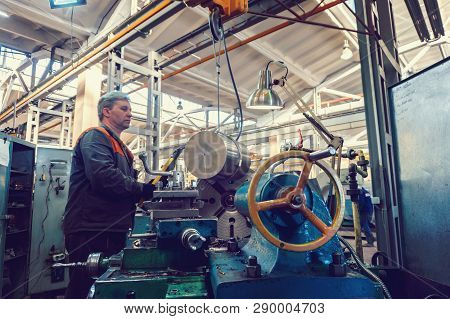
[143, 158]
[317, 155]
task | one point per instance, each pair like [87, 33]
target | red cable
[300, 143]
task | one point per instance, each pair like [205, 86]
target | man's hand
[147, 191]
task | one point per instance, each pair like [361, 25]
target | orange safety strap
[117, 146]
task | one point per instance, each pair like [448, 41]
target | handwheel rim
[257, 221]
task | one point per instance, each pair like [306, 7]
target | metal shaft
[317, 155]
[69, 265]
[357, 228]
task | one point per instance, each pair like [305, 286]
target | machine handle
[318, 155]
[296, 200]
[144, 159]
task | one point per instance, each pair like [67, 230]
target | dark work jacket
[365, 202]
[103, 189]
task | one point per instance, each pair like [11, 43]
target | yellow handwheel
[296, 199]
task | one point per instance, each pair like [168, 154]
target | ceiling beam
[21, 44]
[411, 46]
[23, 30]
[224, 85]
[264, 120]
[340, 93]
[200, 99]
[352, 38]
[271, 53]
[334, 122]
[121, 12]
[333, 79]
[443, 49]
[47, 19]
[418, 44]
[328, 111]
[410, 66]
[403, 61]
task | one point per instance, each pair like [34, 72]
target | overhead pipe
[248, 40]
[83, 61]
[296, 20]
[255, 37]
[139, 15]
[306, 15]
[194, 33]
[251, 21]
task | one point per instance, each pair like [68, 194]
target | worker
[103, 191]
[366, 212]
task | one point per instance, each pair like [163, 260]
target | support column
[115, 70]
[34, 63]
[154, 102]
[377, 72]
[85, 114]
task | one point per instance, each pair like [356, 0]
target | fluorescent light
[54, 4]
[4, 14]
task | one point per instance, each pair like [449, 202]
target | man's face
[120, 114]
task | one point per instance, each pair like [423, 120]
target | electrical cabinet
[51, 189]
[16, 192]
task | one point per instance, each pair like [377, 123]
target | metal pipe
[318, 155]
[249, 22]
[307, 22]
[190, 35]
[82, 62]
[255, 37]
[202, 45]
[243, 42]
[357, 228]
[288, 9]
[339, 159]
[362, 173]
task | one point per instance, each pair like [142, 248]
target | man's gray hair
[107, 100]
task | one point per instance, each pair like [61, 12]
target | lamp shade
[264, 98]
[347, 54]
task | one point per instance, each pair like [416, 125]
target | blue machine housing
[285, 274]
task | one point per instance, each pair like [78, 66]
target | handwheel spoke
[316, 221]
[270, 204]
[303, 179]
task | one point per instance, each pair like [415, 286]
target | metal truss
[34, 129]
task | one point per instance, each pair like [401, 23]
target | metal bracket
[229, 8]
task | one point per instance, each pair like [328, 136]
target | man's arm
[99, 167]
